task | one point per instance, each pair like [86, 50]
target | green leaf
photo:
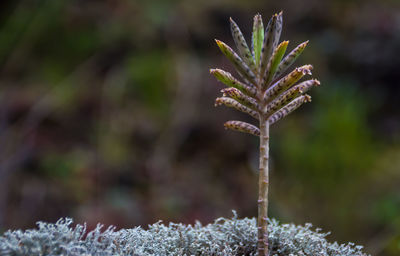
[239, 64]
[229, 102]
[227, 79]
[289, 108]
[290, 59]
[240, 97]
[257, 38]
[241, 45]
[240, 126]
[274, 62]
[271, 39]
[286, 82]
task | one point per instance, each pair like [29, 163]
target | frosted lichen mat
[224, 237]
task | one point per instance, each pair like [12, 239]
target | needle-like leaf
[240, 97]
[227, 79]
[290, 59]
[239, 64]
[274, 62]
[278, 31]
[229, 102]
[257, 38]
[289, 108]
[240, 126]
[286, 82]
[288, 96]
[281, 101]
[241, 45]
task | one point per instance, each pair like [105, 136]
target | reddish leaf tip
[258, 17]
[306, 69]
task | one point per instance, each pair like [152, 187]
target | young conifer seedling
[264, 92]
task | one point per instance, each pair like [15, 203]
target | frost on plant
[224, 237]
[264, 92]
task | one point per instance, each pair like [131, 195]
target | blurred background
[107, 115]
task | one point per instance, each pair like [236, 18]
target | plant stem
[263, 182]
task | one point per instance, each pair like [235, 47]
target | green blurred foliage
[106, 115]
[330, 140]
[149, 72]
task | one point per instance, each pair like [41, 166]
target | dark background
[106, 115]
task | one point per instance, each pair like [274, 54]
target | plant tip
[306, 69]
[257, 18]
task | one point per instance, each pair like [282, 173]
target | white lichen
[224, 237]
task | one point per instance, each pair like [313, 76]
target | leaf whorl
[265, 91]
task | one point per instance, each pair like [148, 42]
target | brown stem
[263, 182]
